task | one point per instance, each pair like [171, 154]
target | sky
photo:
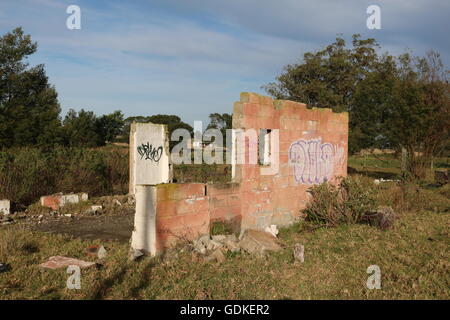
[194, 57]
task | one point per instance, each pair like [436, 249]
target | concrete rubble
[252, 241]
[59, 200]
[258, 242]
[98, 251]
[5, 207]
[383, 217]
[299, 252]
[272, 229]
[135, 254]
[57, 262]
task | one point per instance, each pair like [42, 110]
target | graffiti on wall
[148, 152]
[315, 162]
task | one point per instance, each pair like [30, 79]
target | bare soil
[103, 227]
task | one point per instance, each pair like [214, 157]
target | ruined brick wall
[313, 146]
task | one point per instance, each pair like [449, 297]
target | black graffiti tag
[148, 152]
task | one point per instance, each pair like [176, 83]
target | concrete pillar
[149, 155]
[149, 165]
[144, 233]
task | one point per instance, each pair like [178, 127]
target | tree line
[399, 102]
[30, 114]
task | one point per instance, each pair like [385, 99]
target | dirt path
[108, 227]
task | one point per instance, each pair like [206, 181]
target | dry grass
[413, 257]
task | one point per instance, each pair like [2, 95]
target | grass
[413, 256]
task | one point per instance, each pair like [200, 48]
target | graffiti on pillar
[315, 162]
[148, 152]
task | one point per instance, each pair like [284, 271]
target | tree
[222, 122]
[419, 116]
[29, 108]
[80, 129]
[110, 126]
[327, 78]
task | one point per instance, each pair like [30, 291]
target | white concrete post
[144, 233]
[149, 166]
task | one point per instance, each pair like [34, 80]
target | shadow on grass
[145, 278]
[102, 289]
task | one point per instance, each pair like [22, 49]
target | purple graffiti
[313, 161]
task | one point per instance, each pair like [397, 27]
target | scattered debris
[231, 242]
[57, 262]
[135, 254]
[98, 251]
[117, 202]
[6, 219]
[219, 237]
[96, 209]
[69, 215]
[382, 218]
[5, 207]
[272, 229]
[102, 253]
[4, 267]
[59, 200]
[258, 242]
[217, 255]
[299, 252]
[378, 181]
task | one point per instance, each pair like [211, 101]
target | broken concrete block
[299, 252]
[57, 262]
[382, 218]
[199, 247]
[214, 245]
[231, 245]
[219, 238]
[97, 251]
[96, 208]
[101, 253]
[217, 255]
[135, 254]
[5, 207]
[258, 242]
[58, 200]
[272, 229]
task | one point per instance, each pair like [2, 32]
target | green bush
[345, 202]
[28, 173]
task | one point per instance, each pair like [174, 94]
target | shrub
[28, 173]
[345, 202]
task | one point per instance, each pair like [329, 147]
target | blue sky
[194, 57]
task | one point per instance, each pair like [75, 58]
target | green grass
[413, 255]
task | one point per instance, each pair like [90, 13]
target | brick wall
[313, 146]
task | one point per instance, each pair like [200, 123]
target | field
[413, 256]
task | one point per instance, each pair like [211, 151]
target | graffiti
[314, 162]
[148, 152]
